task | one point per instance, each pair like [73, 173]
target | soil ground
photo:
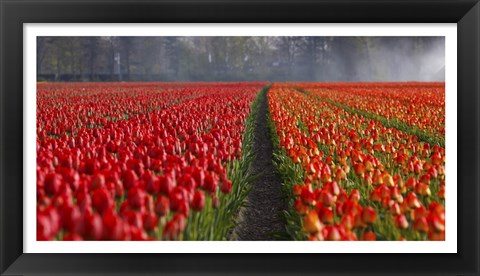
[261, 219]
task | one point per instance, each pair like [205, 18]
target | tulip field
[172, 161]
[349, 176]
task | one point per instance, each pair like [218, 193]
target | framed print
[154, 137]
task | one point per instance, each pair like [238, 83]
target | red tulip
[401, 221]
[130, 179]
[198, 201]
[44, 229]
[226, 186]
[171, 231]
[136, 198]
[90, 226]
[152, 184]
[134, 218]
[199, 176]
[368, 215]
[333, 233]
[52, 183]
[354, 196]
[210, 183]
[167, 183]
[300, 207]
[436, 222]
[369, 236]
[150, 221]
[101, 200]
[112, 226]
[327, 199]
[70, 217]
[97, 182]
[162, 206]
[307, 196]
[325, 214]
[436, 236]
[413, 201]
[420, 224]
[411, 183]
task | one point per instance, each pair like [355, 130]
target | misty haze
[288, 58]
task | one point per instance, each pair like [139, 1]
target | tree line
[286, 58]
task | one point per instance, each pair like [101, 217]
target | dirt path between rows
[260, 220]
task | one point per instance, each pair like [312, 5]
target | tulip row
[65, 109]
[125, 162]
[419, 105]
[349, 177]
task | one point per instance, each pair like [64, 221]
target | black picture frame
[13, 13]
